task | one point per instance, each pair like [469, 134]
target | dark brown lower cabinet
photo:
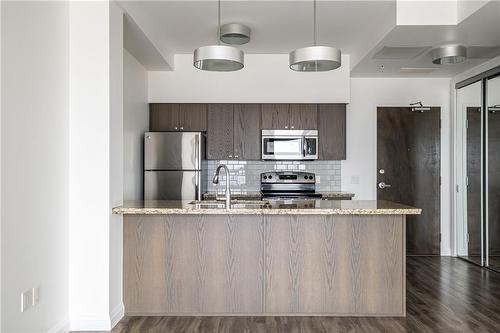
[332, 131]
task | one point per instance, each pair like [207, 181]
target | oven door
[283, 147]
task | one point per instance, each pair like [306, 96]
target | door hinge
[440, 182]
[439, 237]
[468, 238]
[456, 187]
[467, 123]
[440, 123]
[467, 181]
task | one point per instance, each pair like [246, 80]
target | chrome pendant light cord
[218, 23]
[315, 33]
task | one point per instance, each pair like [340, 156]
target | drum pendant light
[315, 58]
[218, 58]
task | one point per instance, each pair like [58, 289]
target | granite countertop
[242, 207]
[255, 195]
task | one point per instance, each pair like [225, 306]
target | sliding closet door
[493, 172]
[469, 237]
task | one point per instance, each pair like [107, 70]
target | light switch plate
[35, 296]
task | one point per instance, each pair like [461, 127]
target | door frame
[444, 251]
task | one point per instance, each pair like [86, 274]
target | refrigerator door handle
[197, 152]
[197, 162]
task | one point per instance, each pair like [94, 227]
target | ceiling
[277, 26]
[480, 32]
[361, 29]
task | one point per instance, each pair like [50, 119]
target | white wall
[35, 155]
[116, 307]
[96, 170]
[359, 170]
[265, 78]
[135, 123]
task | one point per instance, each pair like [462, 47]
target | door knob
[383, 185]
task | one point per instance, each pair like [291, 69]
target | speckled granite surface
[255, 195]
[310, 207]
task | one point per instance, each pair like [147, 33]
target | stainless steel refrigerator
[173, 165]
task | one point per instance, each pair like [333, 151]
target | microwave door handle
[304, 146]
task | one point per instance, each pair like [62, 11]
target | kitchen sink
[214, 204]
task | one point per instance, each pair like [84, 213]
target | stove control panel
[287, 177]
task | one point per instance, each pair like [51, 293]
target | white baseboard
[62, 327]
[98, 323]
[117, 314]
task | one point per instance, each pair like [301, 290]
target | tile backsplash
[245, 175]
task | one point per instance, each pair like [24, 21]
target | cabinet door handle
[230, 156]
[236, 156]
[175, 128]
[292, 127]
[182, 128]
[286, 127]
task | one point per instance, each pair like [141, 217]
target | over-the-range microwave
[289, 145]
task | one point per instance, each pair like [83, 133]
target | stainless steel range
[288, 185]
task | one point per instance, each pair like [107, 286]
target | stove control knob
[270, 177]
[310, 177]
[305, 177]
[265, 177]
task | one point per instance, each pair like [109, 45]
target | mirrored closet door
[469, 107]
[493, 172]
[478, 161]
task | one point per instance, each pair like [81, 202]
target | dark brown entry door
[408, 163]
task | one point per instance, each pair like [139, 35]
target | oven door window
[283, 146]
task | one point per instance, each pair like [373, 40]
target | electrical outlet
[26, 300]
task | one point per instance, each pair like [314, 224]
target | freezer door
[173, 150]
[172, 185]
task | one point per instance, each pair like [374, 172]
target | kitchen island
[316, 257]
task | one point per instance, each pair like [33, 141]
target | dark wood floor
[443, 295]
[494, 261]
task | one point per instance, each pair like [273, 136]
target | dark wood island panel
[345, 265]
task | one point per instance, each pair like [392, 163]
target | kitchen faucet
[215, 180]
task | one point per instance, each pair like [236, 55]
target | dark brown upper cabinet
[303, 116]
[233, 132]
[177, 117]
[332, 131]
[220, 131]
[247, 131]
[275, 116]
[193, 117]
[289, 116]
